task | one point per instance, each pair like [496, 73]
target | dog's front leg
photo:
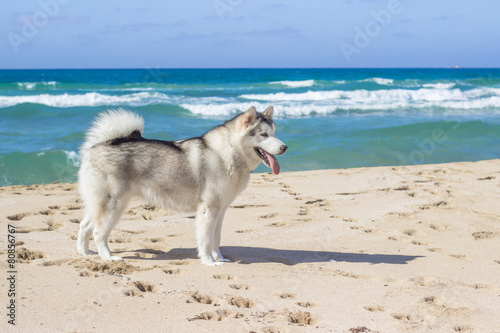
[206, 223]
[216, 251]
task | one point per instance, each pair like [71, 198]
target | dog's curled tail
[113, 124]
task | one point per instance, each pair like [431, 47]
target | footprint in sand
[288, 191]
[54, 225]
[306, 304]
[239, 286]
[107, 267]
[277, 224]
[26, 256]
[303, 211]
[300, 318]
[446, 306]
[28, 230]
[286, 296]
[459, 256]
[375, 308]
[413, 232]
[119, 239]
[403, 317]
[438, 226]
[439, 204]
[402, 188]
[366, 230]
[435, 249]
[240, 302]
[132, 292]
[18, 217]
[464, 328]
[317, 201]
[268, 216]
[47, 212]
[86, 273]
[223, 277]
[145, 287]
[350, 275]
[51, 226]
[58, 262]
[487, 178]
[148, 216]
[175, 235]
[347, 219]
[484, 235]
[156, 240]
[243, 231]
[139, 288]
[172, 271]
[421, 243]
[196, 297]
[218, 315]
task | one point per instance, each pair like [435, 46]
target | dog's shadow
[250, 255]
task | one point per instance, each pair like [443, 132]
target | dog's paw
[85, 252]
[222, 260]
[111, 258]
[219, 257]
[211, 262]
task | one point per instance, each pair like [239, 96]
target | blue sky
[249, 33]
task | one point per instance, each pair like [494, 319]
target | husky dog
[202, 174]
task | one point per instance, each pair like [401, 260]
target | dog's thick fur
[202, 174]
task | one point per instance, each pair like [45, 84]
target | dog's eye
[264, 135]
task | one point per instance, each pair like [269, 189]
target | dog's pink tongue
[274, 163]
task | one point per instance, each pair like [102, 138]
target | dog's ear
[248, 118]
[269, 112]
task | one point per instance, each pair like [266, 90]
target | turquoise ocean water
[329, 118]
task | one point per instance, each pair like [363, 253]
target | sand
[391, 249]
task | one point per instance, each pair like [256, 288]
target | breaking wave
[88, 99]
[295, 84]
[33, 85]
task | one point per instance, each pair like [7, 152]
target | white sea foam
[439, 85]
[295, 84]
[331, 101]
[74, 157]
[88, 99]
[32, 85]
[373, 96]
[220, 109]
[286, 104]
[381, 81]
[26, 85]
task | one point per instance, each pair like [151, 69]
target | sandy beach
[388, 249]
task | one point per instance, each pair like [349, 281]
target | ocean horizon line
[242, 68]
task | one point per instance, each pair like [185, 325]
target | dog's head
[259, 135]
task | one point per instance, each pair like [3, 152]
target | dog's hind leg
[105, 222]
[215, 250]
[206, 223]
[86, 227]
